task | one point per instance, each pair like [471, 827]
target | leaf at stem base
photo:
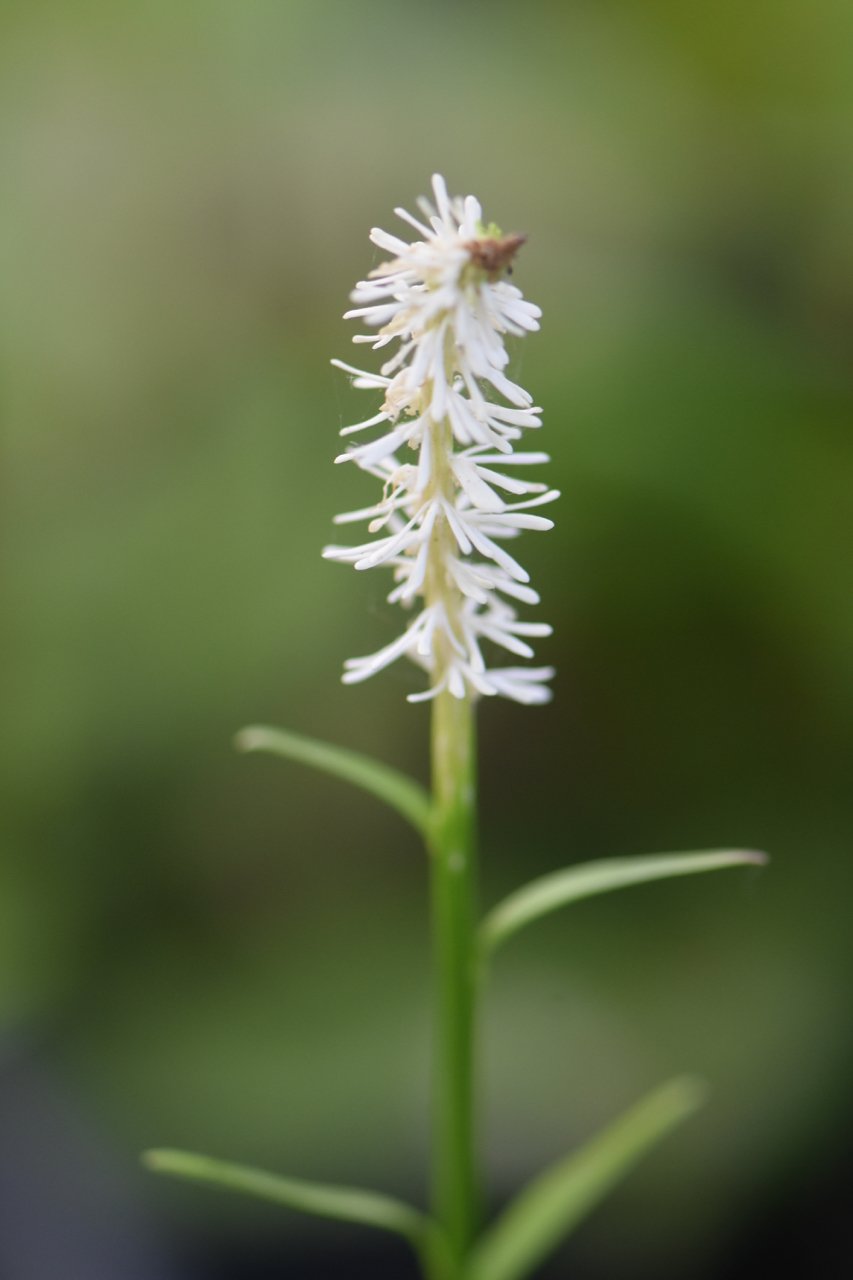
[555, 1202]
[347, 1204]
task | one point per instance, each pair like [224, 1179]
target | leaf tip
[686, 1093]
[155, 1159]
[249, 739]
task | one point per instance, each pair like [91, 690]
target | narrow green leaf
[556, 1201]
[562, 887]
[344, 1203]
[397, 790]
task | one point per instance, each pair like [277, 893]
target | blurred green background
[230, 953]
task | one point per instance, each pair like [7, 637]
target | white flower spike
[450, 417]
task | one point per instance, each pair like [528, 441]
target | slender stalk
[453, 849]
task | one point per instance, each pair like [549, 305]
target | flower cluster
[448, 404]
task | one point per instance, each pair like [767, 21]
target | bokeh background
[229, 953]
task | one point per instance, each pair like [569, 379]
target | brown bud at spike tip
[494, 256]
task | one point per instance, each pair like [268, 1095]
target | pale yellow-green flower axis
[452, 413]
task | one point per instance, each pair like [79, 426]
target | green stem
[453, 849]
